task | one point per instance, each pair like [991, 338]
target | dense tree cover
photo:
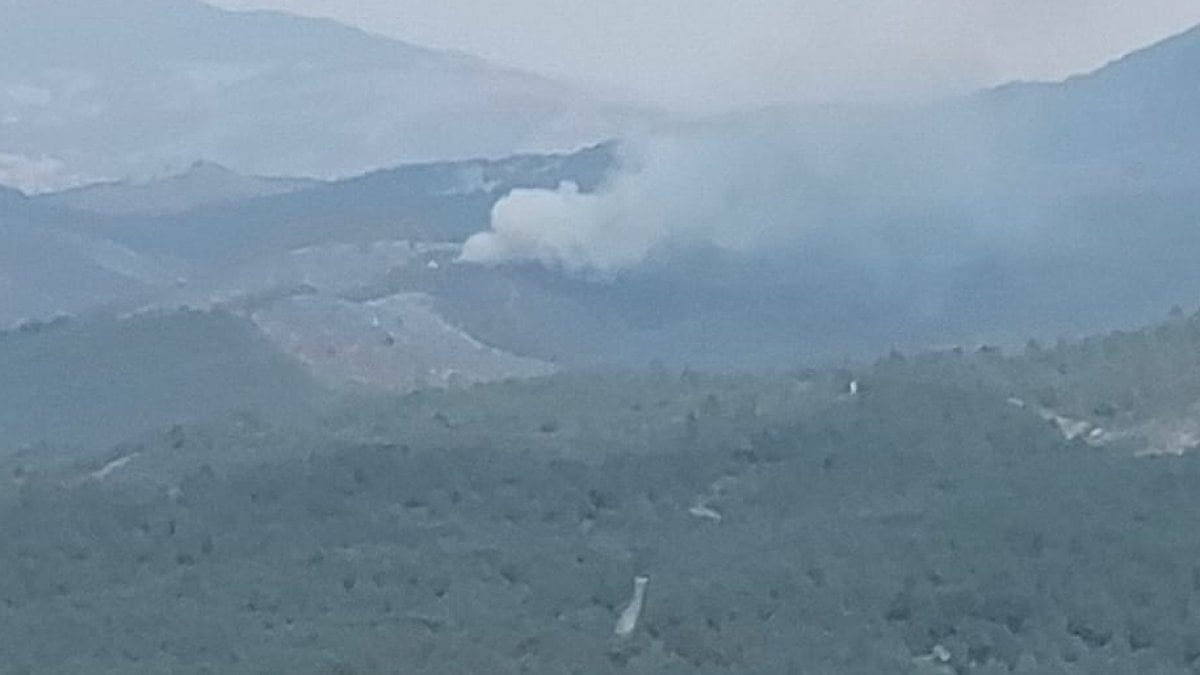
[915, 522]
[1116, 380]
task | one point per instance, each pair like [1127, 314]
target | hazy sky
[718, 54]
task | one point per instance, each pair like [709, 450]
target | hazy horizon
[710, 59]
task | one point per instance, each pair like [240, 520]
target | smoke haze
[857, 184]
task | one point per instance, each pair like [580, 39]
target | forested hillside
[924, 514]
[90, 383]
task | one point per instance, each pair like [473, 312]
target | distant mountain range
[201, 184]
[1127, 126]
[111, 88]
[307, 264]
[1031, 209]
[1101, 164]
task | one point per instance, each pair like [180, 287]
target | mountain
[46, 271]
[75, 383]
[1033, 209]
[307, 270]
[202, 184]
[395, 343]
[432, 202]
[79, 383]
[1122, 127]
[236, 246]
[165, 82]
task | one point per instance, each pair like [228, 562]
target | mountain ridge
[265, 93]
[200, 184]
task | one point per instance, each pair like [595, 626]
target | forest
[953, 511]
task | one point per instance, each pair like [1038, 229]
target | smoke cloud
[864, 186]
[678, 188]
[1026, 210]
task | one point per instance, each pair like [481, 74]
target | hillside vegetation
[907, 516]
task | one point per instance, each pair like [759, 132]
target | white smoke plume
[843, 182]
[691, 186]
